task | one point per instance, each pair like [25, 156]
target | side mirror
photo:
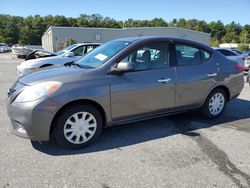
[122, 67]
[69, 54]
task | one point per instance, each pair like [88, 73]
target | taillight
[240, 68]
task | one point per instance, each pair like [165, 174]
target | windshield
[102, 54]
[66, 49]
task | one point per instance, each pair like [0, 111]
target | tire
[69, 132]
[209, 109]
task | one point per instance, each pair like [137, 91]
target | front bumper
[32, 119]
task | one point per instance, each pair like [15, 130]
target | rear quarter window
[227, 53]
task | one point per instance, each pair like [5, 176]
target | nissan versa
[122, 81]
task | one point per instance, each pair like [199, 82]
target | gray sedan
[122, 81]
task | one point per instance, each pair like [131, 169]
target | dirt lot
[177, 151]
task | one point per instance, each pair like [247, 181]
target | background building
[55, 37]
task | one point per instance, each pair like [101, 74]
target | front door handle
[164, 80]
[212, 74]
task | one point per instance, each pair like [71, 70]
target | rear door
[149, 89]
[196, 74]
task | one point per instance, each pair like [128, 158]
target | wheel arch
[224, 88]
[80, 101]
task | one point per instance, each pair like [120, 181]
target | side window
[89, 48]
[227, 53]
[149, 57]
[188, 55]
[79, 51]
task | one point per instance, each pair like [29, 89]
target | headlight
[31, 93]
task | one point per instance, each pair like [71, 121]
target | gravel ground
[184, 150]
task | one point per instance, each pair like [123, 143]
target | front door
[149, 89]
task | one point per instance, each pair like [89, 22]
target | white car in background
[65, 56]
[248, 77]
[233, 55]
[20, 51]
[247, 62]
[4, 47]
[1, 49]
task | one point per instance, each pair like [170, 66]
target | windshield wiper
[77, 65]
[72, 63]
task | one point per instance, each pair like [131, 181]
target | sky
[210, 10]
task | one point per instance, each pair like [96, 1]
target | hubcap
[80, 127]
[216, 104]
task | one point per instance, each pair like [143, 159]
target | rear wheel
[215, 104]
[78, 126]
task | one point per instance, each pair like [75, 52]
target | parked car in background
[36, 54]
[122, 81]
[237, 51]
[4, 47]
[248, 77]
[1, 49]
[233, 55]
[65, 56]
[20, 51]
[247, 62]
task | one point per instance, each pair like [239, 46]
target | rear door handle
[164, 80]
[212, 74]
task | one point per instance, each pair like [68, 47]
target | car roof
[159, 38]
[87, 43]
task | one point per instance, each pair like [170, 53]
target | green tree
[214, 42]
[202, 26]
[2, 39]
[10, 28]
[158, 22]
[233, 27]
[82, 21]
[29, 30]
[181, 22]
[70, 42]
[243, 47]
[230, 37]
[217, 29]
[190, 24]
[244, 36]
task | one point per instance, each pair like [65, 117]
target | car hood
[62, 74]
[47, 60]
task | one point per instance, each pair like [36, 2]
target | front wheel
[78, 126]
[215, 104]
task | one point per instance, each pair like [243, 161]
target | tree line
[29, 30]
